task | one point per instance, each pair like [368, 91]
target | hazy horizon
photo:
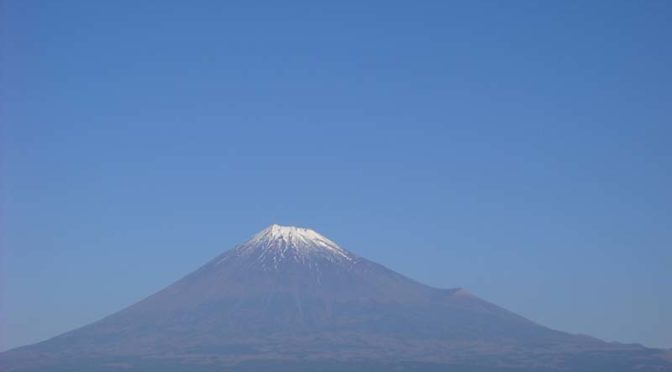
[520, 151]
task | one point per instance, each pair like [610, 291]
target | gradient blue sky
[519, 149]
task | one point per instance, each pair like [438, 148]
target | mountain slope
[291, 297]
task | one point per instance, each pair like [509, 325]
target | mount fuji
[289, 299]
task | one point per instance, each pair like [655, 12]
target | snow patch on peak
[291, 235]
[277, 243]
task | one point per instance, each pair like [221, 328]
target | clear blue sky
[519, 149]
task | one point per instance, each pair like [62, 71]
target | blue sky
[518, 149]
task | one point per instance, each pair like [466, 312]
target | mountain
[290, 299]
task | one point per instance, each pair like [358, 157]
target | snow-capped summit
[291, 235]
[277, 243]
